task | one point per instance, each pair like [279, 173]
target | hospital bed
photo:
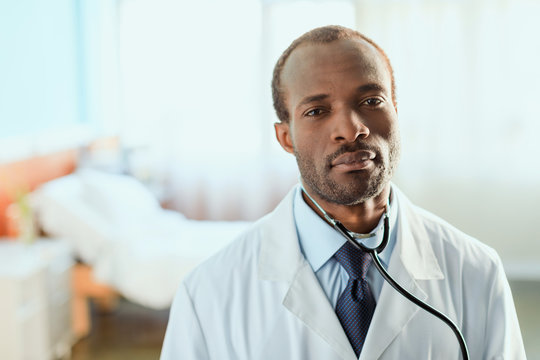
[117, 226]
[124, 241]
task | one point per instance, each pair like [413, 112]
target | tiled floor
[130, 332]
[136, 333]
[527, 300]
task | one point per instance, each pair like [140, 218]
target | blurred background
[109, 108]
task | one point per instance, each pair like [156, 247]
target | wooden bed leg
[86, 288]
[80, 316]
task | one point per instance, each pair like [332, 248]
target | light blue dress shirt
[319, 241]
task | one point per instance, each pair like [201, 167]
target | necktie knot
[355, 261]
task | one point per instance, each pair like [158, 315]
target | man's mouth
[351, 161]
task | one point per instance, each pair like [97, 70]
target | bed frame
[26, 175]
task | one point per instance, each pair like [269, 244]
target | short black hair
[321, 35]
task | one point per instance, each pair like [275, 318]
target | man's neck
[361, 218]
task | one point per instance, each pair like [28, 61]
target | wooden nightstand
[35, 300]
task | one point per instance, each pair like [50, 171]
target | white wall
[501, 215]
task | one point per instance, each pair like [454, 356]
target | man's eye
[373, 101]
[314, 112]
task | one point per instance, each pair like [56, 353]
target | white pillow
[62, 212]
[118, 198]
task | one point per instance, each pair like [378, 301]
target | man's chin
[355, 181]
[345, 194]
[354, 191]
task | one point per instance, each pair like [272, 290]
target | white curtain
[196, 88]
[468, 87]
[196, 91]
[467, 75]
[195, 78]
[191, 71]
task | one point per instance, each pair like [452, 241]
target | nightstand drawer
[35, 300]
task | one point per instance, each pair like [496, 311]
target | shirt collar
[319, 241]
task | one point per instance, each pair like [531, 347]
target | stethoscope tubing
[420, 303]
[374, 253]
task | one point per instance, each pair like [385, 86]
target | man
[292, 287]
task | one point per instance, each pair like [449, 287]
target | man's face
[343, 125]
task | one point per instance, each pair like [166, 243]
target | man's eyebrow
[370, 87]
[361, 89]
[312, 98]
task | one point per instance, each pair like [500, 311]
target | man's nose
[348, 126]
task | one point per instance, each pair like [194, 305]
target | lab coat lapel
[412, 259]
[281, 260]
[307, 301]
[392, 313]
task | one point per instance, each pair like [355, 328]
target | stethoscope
[374, 251]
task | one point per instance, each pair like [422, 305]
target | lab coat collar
[415, 248]
[413, 259]
[280, 259]
[319, 241]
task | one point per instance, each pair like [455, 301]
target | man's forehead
[310, 61]
[316, 53]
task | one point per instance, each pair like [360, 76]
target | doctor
[290, 288]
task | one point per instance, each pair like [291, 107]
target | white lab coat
[259, 299]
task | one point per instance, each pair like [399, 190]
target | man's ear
[283, 136]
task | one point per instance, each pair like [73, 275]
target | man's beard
[364, 186]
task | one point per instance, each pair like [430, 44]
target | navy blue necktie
[355, 306]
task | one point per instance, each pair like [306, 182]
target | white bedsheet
[132, 244]
[147, 262]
